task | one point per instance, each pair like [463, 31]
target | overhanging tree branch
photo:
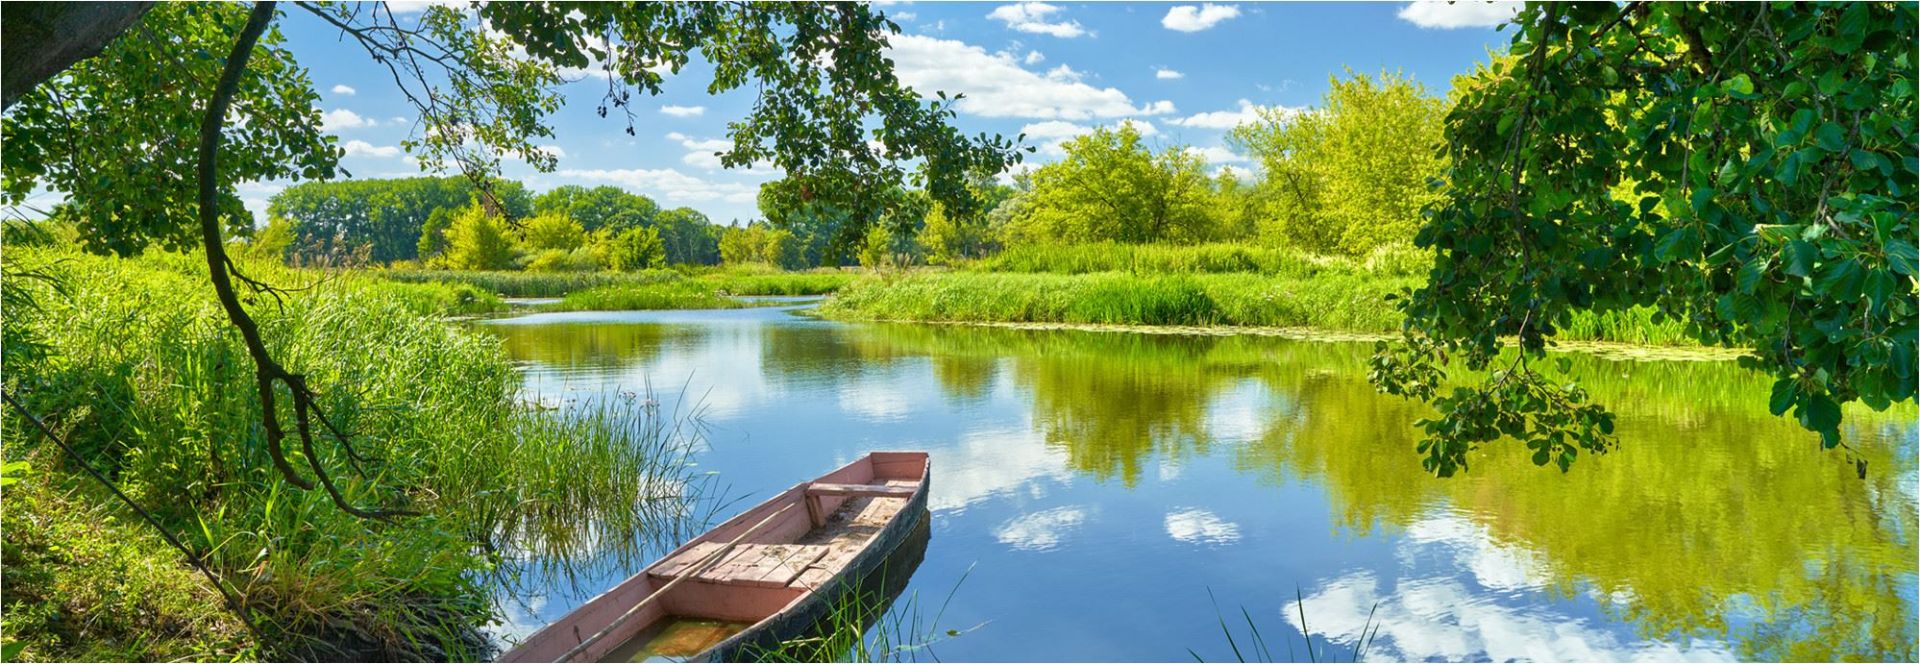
[267, 371]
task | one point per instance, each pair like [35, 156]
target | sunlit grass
[152, 386]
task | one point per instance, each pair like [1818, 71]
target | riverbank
[133, 363]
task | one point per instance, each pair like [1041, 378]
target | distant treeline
[410, 219]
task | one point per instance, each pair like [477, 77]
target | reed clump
[137, 368]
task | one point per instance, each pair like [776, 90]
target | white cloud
[1165, 74]
[1052, 135]
[1040, 531]
[1054, 129]
[340, 118]
[903, 16]
[552, 150]
[1033, 58]
[1215, 154]
[1461, 14]
[1032, 17]
[997, 85]
[1188, 18]
[398, 119]
[668, 183]
[345, 90]
[1196, 526]
[683, 111]
[1248, 112]
[358, 148]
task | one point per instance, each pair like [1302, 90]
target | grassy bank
[1205, 285]
[709, 288]
[132, 361]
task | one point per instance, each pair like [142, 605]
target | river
[1111, 496]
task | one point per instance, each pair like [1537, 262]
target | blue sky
[1184, 73]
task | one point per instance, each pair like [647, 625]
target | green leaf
[1818, 412]
[1740, 86]
[1785, 391]
[1801, 256]
[1831, 137]
[1750, 275]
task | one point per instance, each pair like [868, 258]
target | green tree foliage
[384, 220]
[947, 238]
[478, 240]
[1352, 174]
[1770, 154]
[690, 238]
[1110, 187]
[760, 243]
[599, 207]
[114, 132]
[636, 249]
[552, 230]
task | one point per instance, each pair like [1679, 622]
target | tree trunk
[41, 39]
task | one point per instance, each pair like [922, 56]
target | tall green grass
[1211, 258]
[1331, 302]
[530, 284]
[145, 377]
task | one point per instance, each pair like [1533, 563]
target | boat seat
[817, 513]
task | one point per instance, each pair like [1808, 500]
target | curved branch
[267, 372]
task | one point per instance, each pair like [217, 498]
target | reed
[145, 378]
[1333, 302]
[1255, 645]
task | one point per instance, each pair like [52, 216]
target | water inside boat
[675, 639]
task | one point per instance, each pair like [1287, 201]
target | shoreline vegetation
[129, 361]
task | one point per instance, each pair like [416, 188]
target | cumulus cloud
[358, 148]
[998, 85]
[1462, 14]
[1166, 74]
[1196, 526]
[1041, 531]
[1052, 135]
[340, 118]
[1215, 154]
[683, 111]
[1033, 58]
[669, 184]
[1033, 17]
[1188, 18]
[345, 90]
[1247, 112]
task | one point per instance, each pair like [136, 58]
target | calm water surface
[1099, 485]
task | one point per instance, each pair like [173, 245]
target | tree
[636, 249]
[385, 219]
[759, 243]
[109, 131]
[689, 237]
[1111, 188]
[553, 230]
[485, 92]
[1352, 174]
[1767, 155]
[478, 241]
[599, 207]
[948, 238]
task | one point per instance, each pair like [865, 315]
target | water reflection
[1067, 460]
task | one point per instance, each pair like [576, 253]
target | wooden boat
[765, 576]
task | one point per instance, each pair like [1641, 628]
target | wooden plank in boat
[768, 565]
[687, 559]
[875, 490]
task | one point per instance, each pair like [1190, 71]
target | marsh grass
[871, 625]
[1255, 646]
[142, 374]
[1331, 301]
